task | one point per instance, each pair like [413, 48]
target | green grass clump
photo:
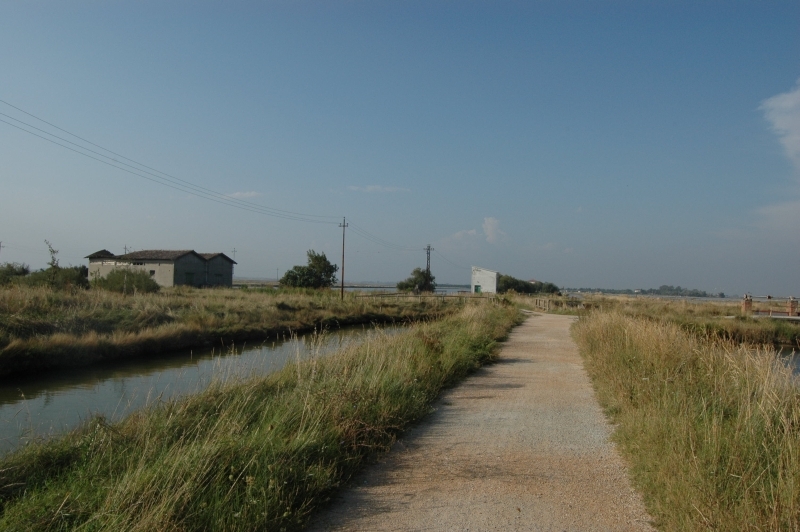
[711, 428]
[258, 454]
[42, 328]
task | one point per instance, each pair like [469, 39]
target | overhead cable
[163, 179]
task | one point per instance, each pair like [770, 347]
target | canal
[41, 406]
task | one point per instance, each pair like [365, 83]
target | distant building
[483, 281]
[168, 267]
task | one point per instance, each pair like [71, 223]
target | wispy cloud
[243, 195]
[491, 228]
[783, 113]
[377, 188]
[465, 234]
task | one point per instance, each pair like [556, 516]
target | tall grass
[258, 454]
[42, 328]
[711, 428]
[708, 319]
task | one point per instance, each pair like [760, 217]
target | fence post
[747, 305]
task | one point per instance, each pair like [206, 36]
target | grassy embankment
[709, 319]
[705, 319]
[711, 427]
[44, 329]
[259, 454]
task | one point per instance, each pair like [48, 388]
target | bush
[59, 278]
[506, 283]
[420, 280]
[127, 282]
[12, 270]
[319, 273]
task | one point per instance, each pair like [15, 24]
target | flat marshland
[41, 328]
[710, 425]
[253, 454]
[707, 318]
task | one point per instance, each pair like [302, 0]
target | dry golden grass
[711, 427]
[43, 329]
[257, 454]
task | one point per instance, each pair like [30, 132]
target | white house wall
[162, 272]
[216, 271]
[486, 279]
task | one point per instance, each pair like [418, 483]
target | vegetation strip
[42, 328]
[709, 426]
[708, 319]
[259, 454]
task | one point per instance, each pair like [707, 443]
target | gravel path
[520, 445]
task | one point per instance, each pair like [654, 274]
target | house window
[152, 273]
[189, 277]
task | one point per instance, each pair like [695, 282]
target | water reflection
[40, 406]
[792, 357]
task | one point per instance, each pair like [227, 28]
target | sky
[606, 144]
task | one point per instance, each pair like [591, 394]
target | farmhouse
[483, 281]
[168, 267]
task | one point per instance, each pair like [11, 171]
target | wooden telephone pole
[343, 225]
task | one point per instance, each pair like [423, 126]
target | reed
[255, 454]
[42, 328]
[709, 426]
[705, 318]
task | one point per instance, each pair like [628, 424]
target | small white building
[483, 281]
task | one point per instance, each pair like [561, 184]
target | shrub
[420, 280]
[12, 270]
[319, 273]
[127, 282]
[59, 278]
[506, 283]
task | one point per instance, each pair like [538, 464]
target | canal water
[41, 406]
[792, 357]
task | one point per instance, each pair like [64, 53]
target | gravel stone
[522, 444]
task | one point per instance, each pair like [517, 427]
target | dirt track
[520, 445]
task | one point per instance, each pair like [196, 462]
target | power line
[378, 240]
[221, 198]
[451, 262]
[162, 179]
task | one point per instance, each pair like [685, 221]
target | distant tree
[57, 277]
[53, 264]
[10, 271]
[420, 281]
[319, 273]
[127, 281]
[506, 283]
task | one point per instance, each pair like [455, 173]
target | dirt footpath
[520, 445]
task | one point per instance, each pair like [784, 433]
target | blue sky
[603, 144]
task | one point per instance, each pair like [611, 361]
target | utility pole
[1, 246]
[126, 250]
[428, 252]
[343, 225]
[234, 253]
